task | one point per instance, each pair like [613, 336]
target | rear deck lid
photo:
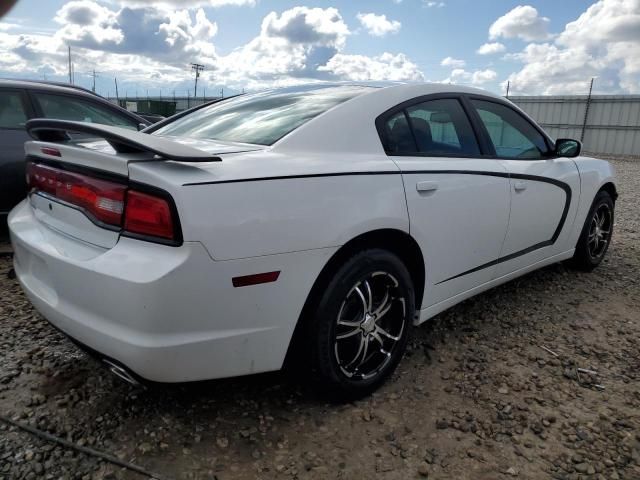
[81, 189]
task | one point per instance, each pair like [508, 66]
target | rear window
[261, 118]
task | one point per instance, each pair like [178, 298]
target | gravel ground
[477, 396]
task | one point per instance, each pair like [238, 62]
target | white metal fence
[606, 124]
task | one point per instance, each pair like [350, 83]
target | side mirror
[566, 147]
[141, 126]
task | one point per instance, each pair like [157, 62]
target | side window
[511, 134]
[63, 107]
[442, 127]
[12, 113]
[434, 127]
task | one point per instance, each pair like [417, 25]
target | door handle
[519, 186]
[426, 186]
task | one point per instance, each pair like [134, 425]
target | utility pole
[197, 68]
[586, 110]
[222, 92]
[94, 75]
[508, 85]
[70, 72]
[117, 98]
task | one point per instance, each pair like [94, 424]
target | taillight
[148, 215]
[112, 204]
[101, 199]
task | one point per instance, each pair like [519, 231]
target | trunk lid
[74, 181]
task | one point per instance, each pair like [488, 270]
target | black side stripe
[286, 177]
[536, 178]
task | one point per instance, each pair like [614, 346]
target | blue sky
[541, 47]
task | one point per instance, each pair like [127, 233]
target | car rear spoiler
[121, 139]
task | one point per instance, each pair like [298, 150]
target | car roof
[385, 86]
[46, 85]
[350, 126]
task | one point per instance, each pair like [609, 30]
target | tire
[360, 325]
[596, 234]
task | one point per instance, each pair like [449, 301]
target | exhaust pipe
[121, 373]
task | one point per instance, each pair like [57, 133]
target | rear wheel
[596, 233]
[361, 324]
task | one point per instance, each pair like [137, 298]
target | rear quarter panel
[285, 204]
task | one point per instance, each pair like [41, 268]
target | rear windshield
[260, 118]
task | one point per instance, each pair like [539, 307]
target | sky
[539, 47]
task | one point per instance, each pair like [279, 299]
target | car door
[544, 188]
[14, 113]
[458, 202]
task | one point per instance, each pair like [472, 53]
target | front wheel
[361, 324]
[596, 234]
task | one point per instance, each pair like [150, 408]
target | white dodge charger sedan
[323, 221]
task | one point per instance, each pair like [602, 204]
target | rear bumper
[169, 314]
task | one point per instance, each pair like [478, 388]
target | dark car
[21, 100]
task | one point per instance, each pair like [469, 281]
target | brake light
[109, 202]
[102, 199]
[148, 215]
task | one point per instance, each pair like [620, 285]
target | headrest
[422, 130]
[401, 139]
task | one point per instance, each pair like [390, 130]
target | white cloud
[432, 4]
[452, 62]
[491, 48]
[152, 47]
[604, 42]
[159, 33]
[306, 44]
[383, 67]
[292, 44]
[478, 77]
[190, 3]
[300, 25]
[378, 25]
[6, 26]
[522, 22]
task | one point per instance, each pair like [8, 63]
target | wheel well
[396, 241]
[610, 188]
